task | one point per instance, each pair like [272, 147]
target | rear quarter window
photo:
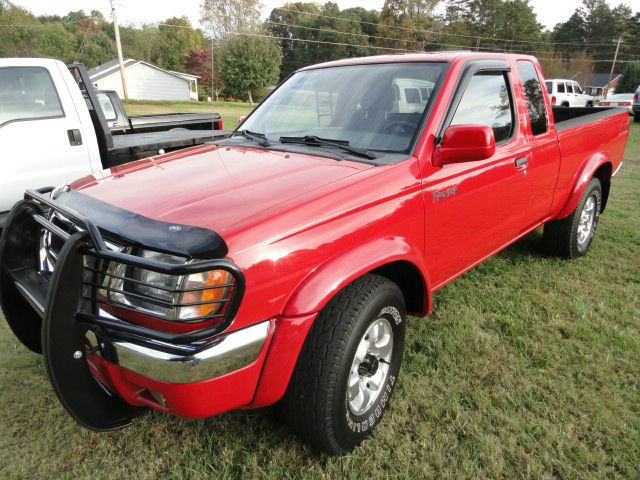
[560, 87]
[107, 106]
[535, 99]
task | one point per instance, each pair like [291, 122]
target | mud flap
[19, 243]
[65, 352]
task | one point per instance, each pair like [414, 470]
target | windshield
[373, 107]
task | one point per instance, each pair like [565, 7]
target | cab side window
[560, 87]
[535, 99]
[27, 93]
[487, 101]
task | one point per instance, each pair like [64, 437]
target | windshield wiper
[259, 138]
[314, 141]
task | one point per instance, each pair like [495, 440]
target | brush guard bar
[51, 313]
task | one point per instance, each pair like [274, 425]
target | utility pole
[213, 97]
[615, 59]
[119, 47]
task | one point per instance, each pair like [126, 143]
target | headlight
[194, 297]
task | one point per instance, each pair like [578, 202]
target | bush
[630, 78]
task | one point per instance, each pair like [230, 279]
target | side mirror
[241, 119]
[465, 143]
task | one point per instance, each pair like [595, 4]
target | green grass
[529, 367]
[230, 111]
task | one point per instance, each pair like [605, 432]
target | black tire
[589, 104]
[636, 117]
[316, 405]
[565, 104]
[561, 237]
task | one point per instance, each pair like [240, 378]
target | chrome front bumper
[226, 354]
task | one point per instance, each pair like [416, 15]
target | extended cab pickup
[53, 130]
[120, 123]
[279, 265]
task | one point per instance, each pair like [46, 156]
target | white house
[145, 81]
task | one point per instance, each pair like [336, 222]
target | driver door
[474, 208]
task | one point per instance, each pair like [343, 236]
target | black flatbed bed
[141, 145]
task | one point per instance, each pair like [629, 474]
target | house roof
[601, 80]
[112, 66]
[107, 68]
[184, 75]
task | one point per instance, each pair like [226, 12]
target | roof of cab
[443, 56]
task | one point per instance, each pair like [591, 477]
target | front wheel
[348, 366]
[571, 237]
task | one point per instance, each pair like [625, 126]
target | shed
[145, 81]
[599, 85]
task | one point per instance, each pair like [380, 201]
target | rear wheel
[348, 367]
[571, 237]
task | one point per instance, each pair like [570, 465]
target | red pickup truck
[279, 265]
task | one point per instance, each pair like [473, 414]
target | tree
[248, 64]
[198, 62]
[630, 78]
[594, 29]
[402, 20]
[578, 66]
[492, 24]
[296, 22]
[226, 17]
[141, 43]
[176, 37]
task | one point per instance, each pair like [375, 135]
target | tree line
[237, 54]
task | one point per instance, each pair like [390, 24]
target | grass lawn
[230, 111]
[528, 367]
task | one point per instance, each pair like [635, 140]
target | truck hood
[225, 189]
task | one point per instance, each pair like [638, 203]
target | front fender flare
[586, 173]
[328, 279]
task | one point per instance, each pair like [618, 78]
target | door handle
[522, 162]
[75, 137]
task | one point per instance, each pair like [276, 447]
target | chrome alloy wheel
[370, 366]
[587, 220]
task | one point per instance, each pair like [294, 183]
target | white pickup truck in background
[52, 129]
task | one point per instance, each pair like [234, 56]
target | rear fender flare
[587, 171]
[332, 276]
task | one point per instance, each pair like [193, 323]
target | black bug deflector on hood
[135, 229]
[51, 312]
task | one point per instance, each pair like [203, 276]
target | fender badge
[175, 228]
[442, 194]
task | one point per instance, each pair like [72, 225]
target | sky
[549, 12]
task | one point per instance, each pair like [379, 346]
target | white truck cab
[53, 128]
[46, 140]
[567, 93]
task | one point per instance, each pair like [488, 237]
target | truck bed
[142, 145]
[569, 117]
[584, 133]
[191, 121]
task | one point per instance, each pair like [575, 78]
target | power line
[533, 52]
[425, 42]
[304, 40]
[435, 32]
